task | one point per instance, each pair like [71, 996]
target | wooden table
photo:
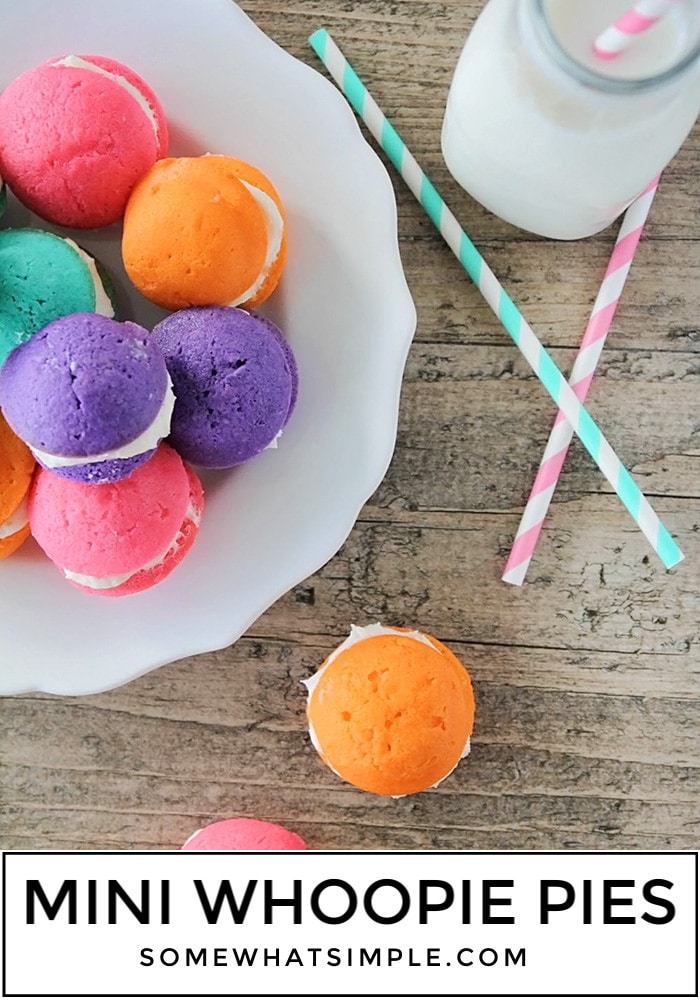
[586, 678]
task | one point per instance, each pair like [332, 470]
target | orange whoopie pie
[204, 231]
[391, 710]
[16, 468]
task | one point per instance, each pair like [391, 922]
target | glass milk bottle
[552, 138]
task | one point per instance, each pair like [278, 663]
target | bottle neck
[555, 31]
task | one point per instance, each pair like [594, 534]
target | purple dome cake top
[84, 385]
[235, 381]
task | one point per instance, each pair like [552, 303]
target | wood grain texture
[587, 679]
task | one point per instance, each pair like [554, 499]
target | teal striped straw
[497, 298]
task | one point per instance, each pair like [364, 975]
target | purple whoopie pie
[235, 380]
[90, 396]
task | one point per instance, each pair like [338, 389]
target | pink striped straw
[581, 377]
[620, 35]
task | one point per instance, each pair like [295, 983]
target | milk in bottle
[550, 137]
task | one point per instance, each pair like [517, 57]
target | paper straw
[497, 298]
[581, 377]
[620, 35]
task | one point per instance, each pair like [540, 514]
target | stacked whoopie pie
[104, 422]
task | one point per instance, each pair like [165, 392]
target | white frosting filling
[158, 429]
[18, 519]
[357, 634]
[105, 582]
[274, 224]
[192, 836]
[275, 441]
[77, 63]
[103, 303]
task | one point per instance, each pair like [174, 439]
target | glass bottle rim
[601, 81]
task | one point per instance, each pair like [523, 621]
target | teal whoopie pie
[42, 277]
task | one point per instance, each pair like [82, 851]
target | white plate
[343, 302]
